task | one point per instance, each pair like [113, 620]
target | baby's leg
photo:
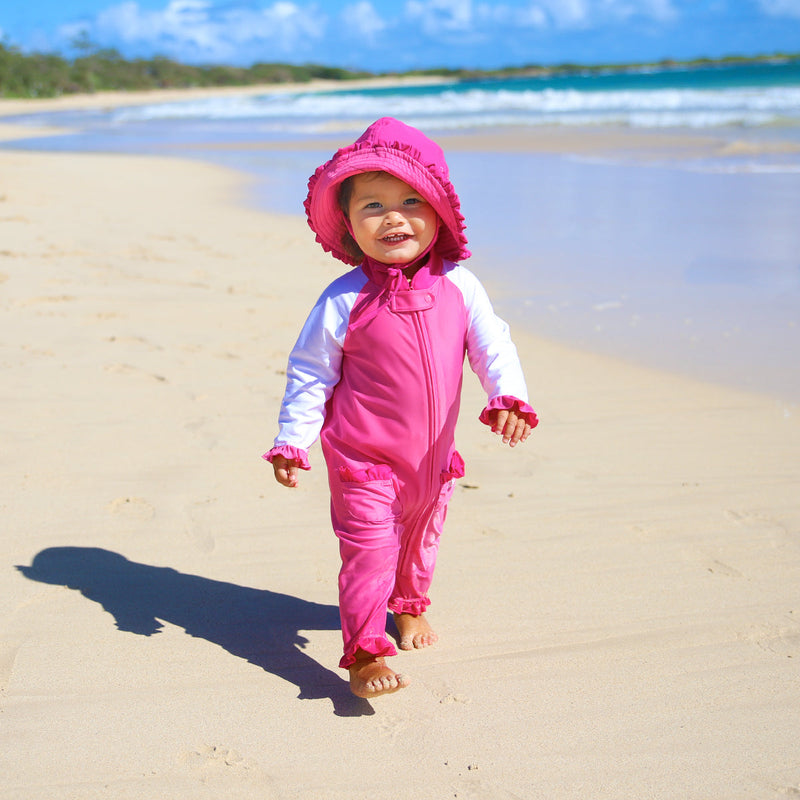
[370, 677]
[415, 631]
[364, 522]
[416, 563]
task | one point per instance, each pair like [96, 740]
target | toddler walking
[376, 375]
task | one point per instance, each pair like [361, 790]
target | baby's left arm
[493, 357]
[510, 424]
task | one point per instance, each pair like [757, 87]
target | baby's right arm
[314, 370]
[312, 373]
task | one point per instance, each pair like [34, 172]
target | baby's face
[391, 221]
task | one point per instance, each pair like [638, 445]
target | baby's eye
[373, 204]
[412, 201]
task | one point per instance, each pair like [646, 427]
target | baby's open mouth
[394, 238]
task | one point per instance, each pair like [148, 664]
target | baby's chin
[403, 259]
[398, 260]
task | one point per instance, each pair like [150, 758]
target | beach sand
[617, 599]
[119, 99]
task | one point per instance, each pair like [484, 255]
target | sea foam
[469, 106]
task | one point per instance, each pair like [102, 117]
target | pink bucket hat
[388, 145]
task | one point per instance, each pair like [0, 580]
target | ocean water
[686, 261]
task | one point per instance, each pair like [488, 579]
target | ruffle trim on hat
[507, 402]
[290, 452]
[454, 250]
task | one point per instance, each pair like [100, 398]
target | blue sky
[407, 34]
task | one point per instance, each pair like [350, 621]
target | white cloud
[440, 16]
[197, 29]
[241, 31]
[658, 10]
[363, 20]
[781, 8]
[502, 15]
[408, 31]
[576, 14]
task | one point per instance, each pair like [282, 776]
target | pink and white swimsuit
[376, 375]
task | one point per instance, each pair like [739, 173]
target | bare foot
[370, 677]
[415, 632]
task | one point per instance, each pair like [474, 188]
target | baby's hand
[510, 425]
[287, 471]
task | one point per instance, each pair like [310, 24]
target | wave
[452, 107]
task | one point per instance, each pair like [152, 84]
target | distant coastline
[97, 71]
[570, 68]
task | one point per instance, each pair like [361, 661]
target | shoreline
[120, 99]
[700, 341]
[241, 180]
[675, 141]
[638, 143]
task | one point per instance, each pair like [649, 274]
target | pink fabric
[506, 402]
[388, 145]
[381, 472]
[455, 470]
[388, 555]
[388, 441]
[384, 361]
[290, 452]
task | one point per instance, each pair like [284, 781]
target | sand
[617, 599]
[118, 99]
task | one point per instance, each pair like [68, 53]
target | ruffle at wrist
[507, 402]
[291, 452]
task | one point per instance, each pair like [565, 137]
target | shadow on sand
[258, 625]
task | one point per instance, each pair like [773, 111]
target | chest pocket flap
[415, 300]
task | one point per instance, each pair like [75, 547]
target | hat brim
[327, 219]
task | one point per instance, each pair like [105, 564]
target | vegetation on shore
[541, 70]
[100, 70]
[97, 69]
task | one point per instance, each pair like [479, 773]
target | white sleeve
[315, 363]
[491, 353]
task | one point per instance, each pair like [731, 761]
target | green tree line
[97, 70]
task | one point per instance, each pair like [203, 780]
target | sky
[401, 35]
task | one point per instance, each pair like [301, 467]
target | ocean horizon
[688, 261]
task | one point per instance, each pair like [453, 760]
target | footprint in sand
[210, 763]
[451, 698]
[200, 428]
[136, 508]
[752, 518]
[197, 528]
[393, 727]
[134, 340]
[127, 369]
[45, 300]
[8, 658]
[720, 568]
[783, 640]
[212, 756]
